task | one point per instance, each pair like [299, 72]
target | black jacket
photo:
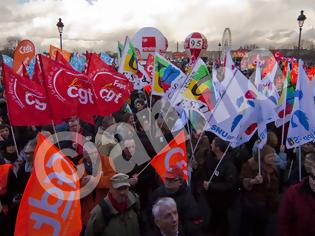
[189, 216]
[224, 185]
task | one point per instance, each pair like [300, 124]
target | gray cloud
[261, 22]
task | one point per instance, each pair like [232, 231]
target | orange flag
[172, 154]
[53, 51]
[23, 54]
[4, 173]
[50, 204]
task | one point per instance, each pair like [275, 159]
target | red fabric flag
[87, 61]
[53, 50]
[38, 76]
[50, 204]
[60, 58]
[149, 66]
[311, 73]
[174, 154]
[4, 173]
[278, 55]
[26, 100]
[25, 73]
[69, 93]
[111, 88]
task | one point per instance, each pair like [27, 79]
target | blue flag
[7, 60]
[30, 67]
[106, 58]
[78, 61]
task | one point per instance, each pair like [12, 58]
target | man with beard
[176, 188]
[117, 214]
[296, 213]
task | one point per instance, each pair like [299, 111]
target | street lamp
[60, 26]
[219, 45]
[300, 20]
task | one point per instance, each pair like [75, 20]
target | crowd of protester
[237, 201]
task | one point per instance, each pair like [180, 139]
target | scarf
[120, 207]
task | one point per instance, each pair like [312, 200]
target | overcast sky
[99, 24]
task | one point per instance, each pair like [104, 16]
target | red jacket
[296, 215]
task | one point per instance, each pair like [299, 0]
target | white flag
[302, 122]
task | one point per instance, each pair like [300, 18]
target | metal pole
[60, 41]
[299, 45]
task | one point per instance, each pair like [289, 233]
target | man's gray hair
[165, 201]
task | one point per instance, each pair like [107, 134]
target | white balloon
[149, 40]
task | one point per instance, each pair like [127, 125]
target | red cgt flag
[60, 58]
[26, 100]
[174, 154]
[69, 92]
[50, 204]
[38, 75]
[111, 88]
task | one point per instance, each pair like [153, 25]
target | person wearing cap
[296, 213]
[176, 187]
[117, 214]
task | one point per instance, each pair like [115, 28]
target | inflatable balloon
[194, 44]
[149, 40]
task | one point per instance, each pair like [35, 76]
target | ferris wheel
[226, 41]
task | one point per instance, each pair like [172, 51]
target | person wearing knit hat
[259, 192]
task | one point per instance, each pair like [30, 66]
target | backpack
[107, 215]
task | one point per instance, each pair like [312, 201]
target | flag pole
[216, 168]
[284, 114]
[300, 163]
[14, 140]
[259, 162]
[55, 135]
[179, 90]
[144, 168]
[150, 112]
[290, 169]
[190, 141]
[215, 108]
[285, 107]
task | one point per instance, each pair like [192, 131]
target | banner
[198, 86]
[302, 123]
[167, 78]
[69, 92]
[60, 58]
[4, 174]
[172, 154]
[23, 54]
[26, 100]
[7, 60]
[111, 88]
[128, 61]
[50, 204]
[53, 51]
[78, 61]
[106, 58]
[286, 100]
[38, 75]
